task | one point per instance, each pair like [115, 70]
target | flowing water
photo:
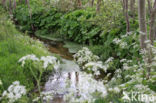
[69, 71]
[68, 77]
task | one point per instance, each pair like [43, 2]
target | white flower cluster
[50, 60]
[14, 92]
[84, 56]
[94, 66]
[88, 61]
[115, 89]
[150, 55]
[85, 90]
[123, 43]
[28, 57]
[99, 65]
[134, 77]
[47, 60]
[46, 96]
[119, 42]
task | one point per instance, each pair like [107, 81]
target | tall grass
[14, 45]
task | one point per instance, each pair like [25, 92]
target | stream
[68, 79]
[69, 71]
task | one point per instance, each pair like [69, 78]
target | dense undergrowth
[82, 26]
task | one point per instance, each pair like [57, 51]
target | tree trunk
[10, 7]
[155, 32]
[142, 23]
[98, 6]
[92, 3]
[149, 6]
[3, 2]
[125, 5]
[79, 3]
[132, 4]
[26, 1]
[132, 8]
[14, 4]
[152, 23]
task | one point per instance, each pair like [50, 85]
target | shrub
[40, 20]
[76, 26]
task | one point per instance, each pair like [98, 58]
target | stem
[38, 81]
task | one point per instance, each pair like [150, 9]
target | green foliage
[13, 46]
[40, 20]
[82, 26]
[76, 26]
[127, 48]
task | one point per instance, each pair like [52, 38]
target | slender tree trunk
[3, 2]
[155, 32]
[152, 22]
[132, 2]
[149, 6]
[79, 3]
[14, 4]
[92, 3]
[132, 8]
[142, 23]
[125, 5]
[10, 7]
[26, 1]
[98, 6]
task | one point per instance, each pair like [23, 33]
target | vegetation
[14, 45]
[110, 40]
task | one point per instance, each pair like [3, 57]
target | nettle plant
[38, 66]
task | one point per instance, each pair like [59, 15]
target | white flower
[46, 96]
[4, 93]
[116, 89]
[95, 67]
[109, 60]
[16, 83]
[123, 45]
[50, 60]
[122, 60]
[14, 92]
[117, 41]
[28, 57]
[97, 73]
[85, 56]
[47, 60]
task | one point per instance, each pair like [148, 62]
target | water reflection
[62, 80]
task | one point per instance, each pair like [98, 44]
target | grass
[14, 45]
